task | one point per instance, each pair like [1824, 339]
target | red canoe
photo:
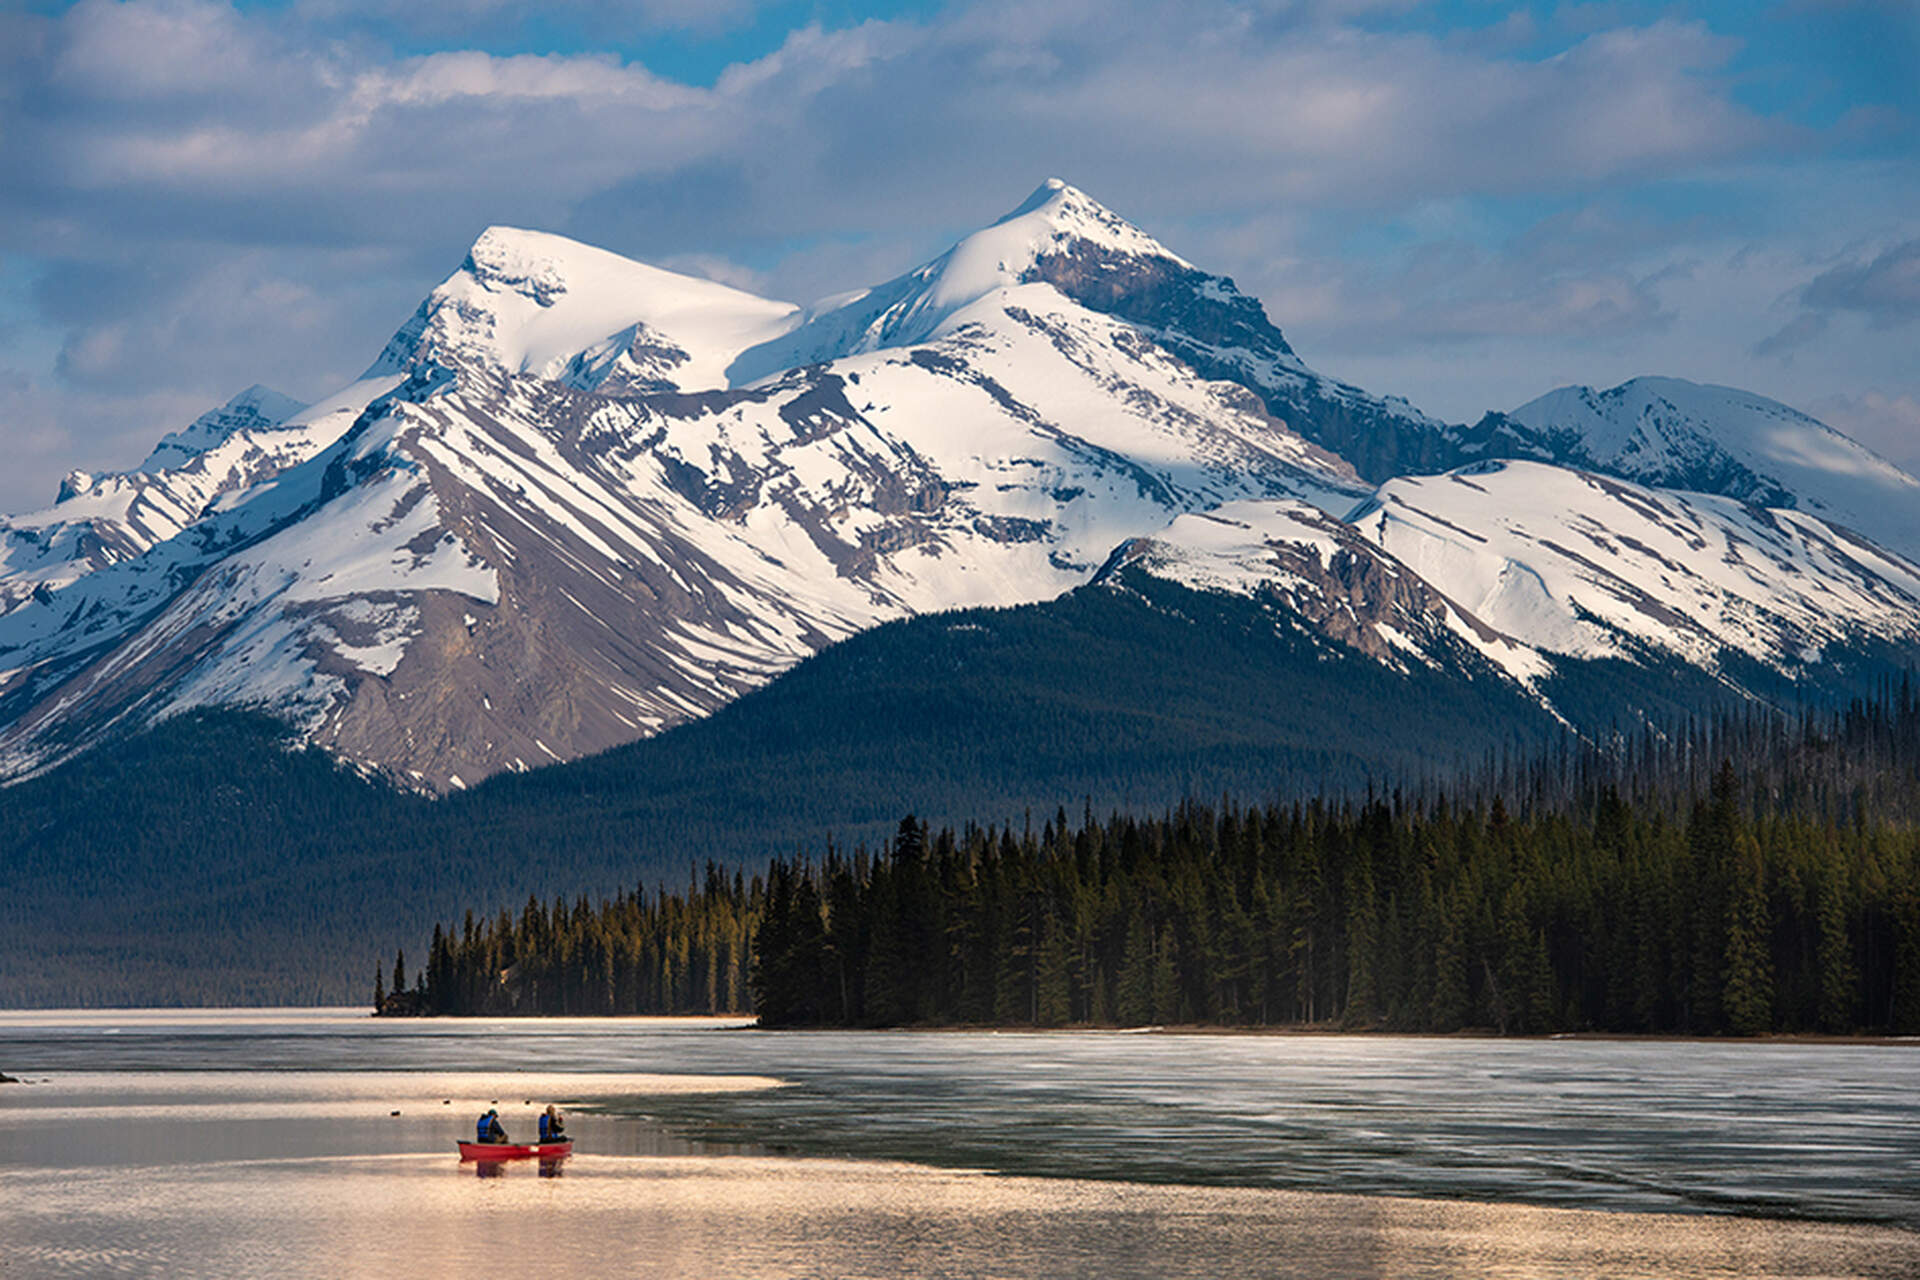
[514, 1150]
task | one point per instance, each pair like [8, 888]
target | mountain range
[1056, 516]
[578, 500]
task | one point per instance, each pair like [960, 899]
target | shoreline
[85, 1015]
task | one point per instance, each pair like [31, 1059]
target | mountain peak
[1056, 219]
[538, 303]
[1062, 212]
[258, 408]
[1711, 439]
[1059, 236]
[513, 258]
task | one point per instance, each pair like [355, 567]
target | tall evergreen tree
[1748, 994]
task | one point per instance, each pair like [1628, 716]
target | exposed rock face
[522, 553]
[1206, 321]
[578, 500]
[1161, 293]
[1321, 572]
[1588, 566]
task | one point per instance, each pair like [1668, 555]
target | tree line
[1770, 900]
[664, 952]
[1378, 915]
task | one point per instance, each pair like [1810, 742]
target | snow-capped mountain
[1535, 570]
[1062, 239]
[557, 528]
[99, 520]
[1324, 574]
[1680, 435]
[1582, 565]
[577, 500]
[529, 304]
[257, 408]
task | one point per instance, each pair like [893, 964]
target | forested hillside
[210, 861]
[1607, 895]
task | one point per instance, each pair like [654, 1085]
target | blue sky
[1461, 201]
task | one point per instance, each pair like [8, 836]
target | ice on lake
[263, 1144]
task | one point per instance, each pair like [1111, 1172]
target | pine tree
[1904, 1001]
[1711, 836]
[1051, 992]
[1363, 946]
[1839, 981]
[1748, 995]
[1164, 979]
[1449, 1008]
[1133, 993]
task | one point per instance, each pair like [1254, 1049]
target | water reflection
[692, 1216]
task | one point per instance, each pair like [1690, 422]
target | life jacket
[545, 1127]
[483, 1132]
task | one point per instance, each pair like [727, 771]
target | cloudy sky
[1466, 202]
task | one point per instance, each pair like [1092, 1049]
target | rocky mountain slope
[554, 529]
[1674, 434]
[578, 500]
[1585, 565]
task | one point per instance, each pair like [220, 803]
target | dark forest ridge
[1745, 915]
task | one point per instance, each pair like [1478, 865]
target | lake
[264, 1143]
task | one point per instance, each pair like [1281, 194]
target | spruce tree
[1747, 997]
[1133, 993]
[1904, 1002]
[1839, 981]
[1448, 1011]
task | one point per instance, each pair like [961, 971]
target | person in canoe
[489, 1129]
[553, 1127]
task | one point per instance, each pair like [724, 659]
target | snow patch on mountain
[1588, 566]
[1682, 435]
[924, 303]
[1325, 575]
[103, 520]
[257, 408]
[527, 302]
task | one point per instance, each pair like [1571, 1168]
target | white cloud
[221, 197]
[1885, 288]
[471, 19]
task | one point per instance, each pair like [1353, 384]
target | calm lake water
[226, 1143]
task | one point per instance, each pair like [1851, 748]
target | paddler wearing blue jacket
[489, 1129]
[552, 1127]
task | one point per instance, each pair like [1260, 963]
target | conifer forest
[1635, 889]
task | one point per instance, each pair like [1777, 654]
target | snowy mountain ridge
[1584, 565]
[1056, 221]
[541, 305]
[1325, 572]
[553, 548]
[578, 499]
[1676, 434]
